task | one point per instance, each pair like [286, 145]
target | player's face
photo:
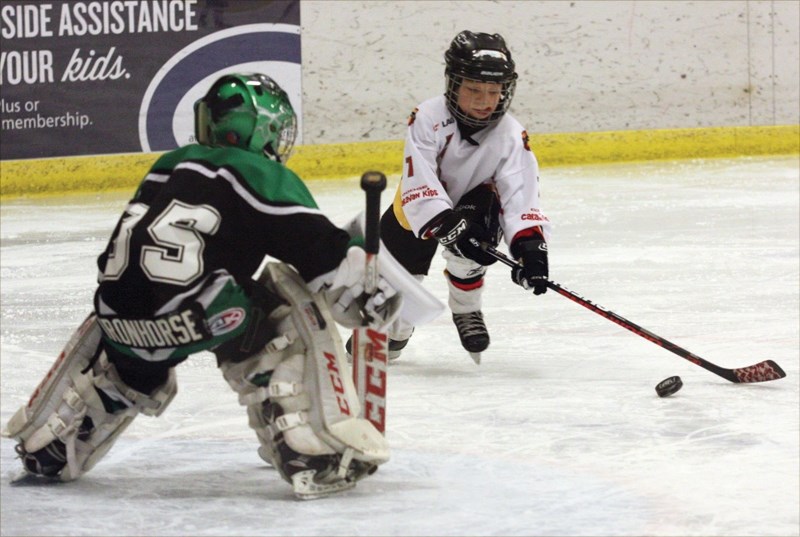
[479, 99]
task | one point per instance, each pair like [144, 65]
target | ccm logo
[454, 233]
[376, 360]
[338, 385]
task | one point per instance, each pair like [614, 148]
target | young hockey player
[468, 174]
[179, 277]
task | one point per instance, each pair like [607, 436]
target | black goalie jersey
[180, 262]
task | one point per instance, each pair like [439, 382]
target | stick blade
[760, 372]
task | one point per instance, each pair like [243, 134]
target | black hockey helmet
[482, 57]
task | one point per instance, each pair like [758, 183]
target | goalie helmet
[484, 58]
[249, 111]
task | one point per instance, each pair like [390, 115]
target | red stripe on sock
[467, 286]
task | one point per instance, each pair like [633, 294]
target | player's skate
[395, 348]
[472, 332]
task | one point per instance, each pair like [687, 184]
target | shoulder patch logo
[525, 141]
[226, 321]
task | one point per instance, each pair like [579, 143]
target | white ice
[558, 432]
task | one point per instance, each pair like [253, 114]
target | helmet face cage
[483, 58]
[249, 111]
[453, 84]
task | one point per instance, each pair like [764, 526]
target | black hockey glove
[531, 253]
[454, 231]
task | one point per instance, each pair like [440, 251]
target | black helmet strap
[219, 107]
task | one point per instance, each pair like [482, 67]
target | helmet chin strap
[270, 153]
[468, 130]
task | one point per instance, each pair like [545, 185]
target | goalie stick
[369, 350]
[760, 372]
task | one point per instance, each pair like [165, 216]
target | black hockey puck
[669, 386]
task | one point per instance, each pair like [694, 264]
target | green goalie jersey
[184, 252]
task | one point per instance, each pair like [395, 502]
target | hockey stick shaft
[760, 372]
[370, 358]
[373, 184]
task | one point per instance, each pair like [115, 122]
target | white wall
[583, 65]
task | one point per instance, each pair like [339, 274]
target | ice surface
[558, 432]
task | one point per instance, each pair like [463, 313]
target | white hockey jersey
[440, 167]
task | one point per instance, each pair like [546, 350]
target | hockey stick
[760, 372]
[369, 351]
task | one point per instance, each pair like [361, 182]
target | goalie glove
[344, 292]
[531, 254]
[454, 231]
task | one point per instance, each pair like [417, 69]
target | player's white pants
[459, 300]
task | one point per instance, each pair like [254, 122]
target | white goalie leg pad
[300, 399]
[325, 377]
[327, 403]
[250, 379]
[60, 405]
[76, 356]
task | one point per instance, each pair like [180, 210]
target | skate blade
[476, 357]
[306, 489]
[24, 478]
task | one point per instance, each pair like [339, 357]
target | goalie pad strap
[276, 389]
[254, 397]
[344, 464]
[108, 380]
[285, 389]
[291, 420]
[55, 428]
[281, 342]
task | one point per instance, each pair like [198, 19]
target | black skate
[45, 465]
[395, 348]
[472, 332]
[41, 466]
[314, 476]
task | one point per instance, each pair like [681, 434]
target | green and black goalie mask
[249, 111]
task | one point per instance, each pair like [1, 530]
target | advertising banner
[121, 76]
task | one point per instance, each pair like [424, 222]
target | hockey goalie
[180, 276]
